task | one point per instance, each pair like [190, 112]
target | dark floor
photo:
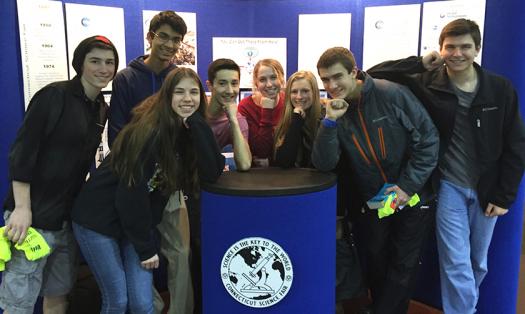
[418, 308]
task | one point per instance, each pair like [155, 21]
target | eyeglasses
[164, 38]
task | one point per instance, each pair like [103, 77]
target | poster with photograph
[246, 52]
[83, 21]
[42, 44]
[437, 14]
[313, 39]
[391, 32]
[187, 54]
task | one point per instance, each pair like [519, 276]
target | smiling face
[301, 94]
[164, 43]
[97, 70]
[338, 82]
[225, 86]
[267, 82]
[186, 97]
[459, 53]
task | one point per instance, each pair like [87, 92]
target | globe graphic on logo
[257, 272]
[261, 272]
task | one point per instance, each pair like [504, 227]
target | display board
[314, 38]
[439, 13]
[42, 44]
[247, 51]
[83, 21]
[391, 32]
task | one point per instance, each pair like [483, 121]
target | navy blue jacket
[130, 87]
[388, 130]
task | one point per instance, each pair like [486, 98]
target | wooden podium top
[271, 182]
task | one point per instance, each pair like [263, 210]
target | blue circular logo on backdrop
[85, 21]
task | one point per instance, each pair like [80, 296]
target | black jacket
[388, 126]
[296, 149]
[494, 115]
[111, 207]
[54, 150]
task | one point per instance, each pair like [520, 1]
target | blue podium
[268, 242]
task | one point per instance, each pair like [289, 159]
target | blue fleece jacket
[130, 87]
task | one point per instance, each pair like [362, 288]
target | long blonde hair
[155, 123]
[312, 114]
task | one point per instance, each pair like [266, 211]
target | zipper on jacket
[382, 143]
[370, 147]
[360, 149]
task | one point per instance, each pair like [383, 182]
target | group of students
[452, 129]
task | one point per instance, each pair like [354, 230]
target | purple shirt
[221, 129]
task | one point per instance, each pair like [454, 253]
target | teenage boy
[48, 163]
[228, 126]
[482, 153]
[142, 78]
[386, 137]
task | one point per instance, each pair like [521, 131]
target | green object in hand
[390, 204]
[34, 245]
[5, 249]
[389, 207]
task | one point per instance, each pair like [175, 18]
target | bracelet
[327, 123]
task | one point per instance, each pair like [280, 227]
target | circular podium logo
[256, 272]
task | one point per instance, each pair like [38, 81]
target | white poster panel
[89, 20]
[437, 14]
[314, 38]
[42, 44]
[187, 54]
[246, 52]
[391, 32]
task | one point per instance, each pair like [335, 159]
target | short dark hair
[337, 55]
[222, 64]
[461, 27]
[170, 18]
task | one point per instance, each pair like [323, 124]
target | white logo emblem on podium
[256, 272]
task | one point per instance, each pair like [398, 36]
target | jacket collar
[76, 88]
[441, 82]
[368, 82]
[365, 87]
[484, 91]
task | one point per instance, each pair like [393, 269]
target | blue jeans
[463, 237]
[122, 281]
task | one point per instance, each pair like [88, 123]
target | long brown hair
[312, 114]
[156, 124]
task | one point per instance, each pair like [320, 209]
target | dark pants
[392, 253]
